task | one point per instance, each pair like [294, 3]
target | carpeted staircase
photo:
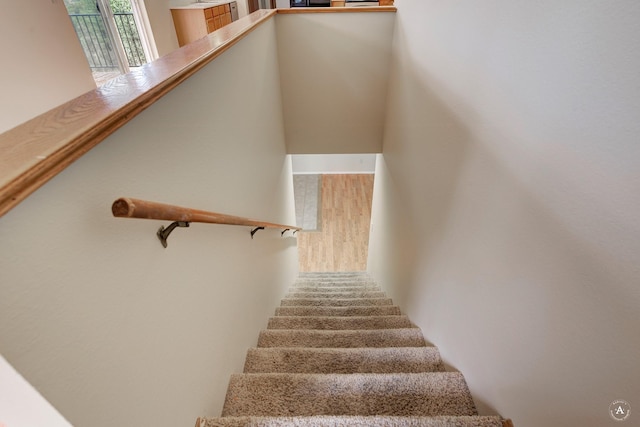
[339, 353]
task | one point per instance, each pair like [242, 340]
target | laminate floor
[343, 240]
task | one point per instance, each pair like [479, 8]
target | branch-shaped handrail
[181, 217]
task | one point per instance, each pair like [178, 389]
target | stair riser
[383, 310]
[343, 361]
[333, 284]
[340, 323]
[328, 421]
[335, 302]
[336, 295]
[441, 393]
[341, 339]
[334, 275]
[325, 289]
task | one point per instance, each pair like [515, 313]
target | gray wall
[506, 203]
[110, 327]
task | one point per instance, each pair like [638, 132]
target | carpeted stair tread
[335, 281]
[339, 353]
[335, 289]
[424, 394]
[334, 278]
[333, 284]
[352, 421]
[339, 323]
[329, 286]
[335, 302]
[343, 360]
[407, 337]
[337, 295]
[334, 273]
[380, 310]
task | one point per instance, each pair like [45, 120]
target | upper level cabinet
[196, 21]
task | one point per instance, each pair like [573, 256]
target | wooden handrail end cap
[122, 208]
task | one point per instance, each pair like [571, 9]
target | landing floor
[343, 240]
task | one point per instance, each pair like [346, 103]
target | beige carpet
[351, 421]
[339, 353]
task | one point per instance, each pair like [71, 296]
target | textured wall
[110, 327]
[506, 205]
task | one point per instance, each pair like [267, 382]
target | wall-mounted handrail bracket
[255, 230]
[284, 231]
[163, 233]
[125, 207]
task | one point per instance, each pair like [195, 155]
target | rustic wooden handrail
[143, 209]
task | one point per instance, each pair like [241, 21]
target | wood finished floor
[342, 244]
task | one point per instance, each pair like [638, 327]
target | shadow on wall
[488, 250]
[440, 143]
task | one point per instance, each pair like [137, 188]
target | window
[114, 35]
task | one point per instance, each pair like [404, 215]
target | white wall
[110, 327]
[334, 73]
[333, 163]
[36, 37]
[507, 200]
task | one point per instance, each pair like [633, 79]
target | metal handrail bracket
[181, 217]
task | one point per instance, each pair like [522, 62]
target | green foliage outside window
[93, 36]
[121, 6]
[89, 6]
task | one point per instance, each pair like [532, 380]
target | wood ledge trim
[306, 10]
[36, 151]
